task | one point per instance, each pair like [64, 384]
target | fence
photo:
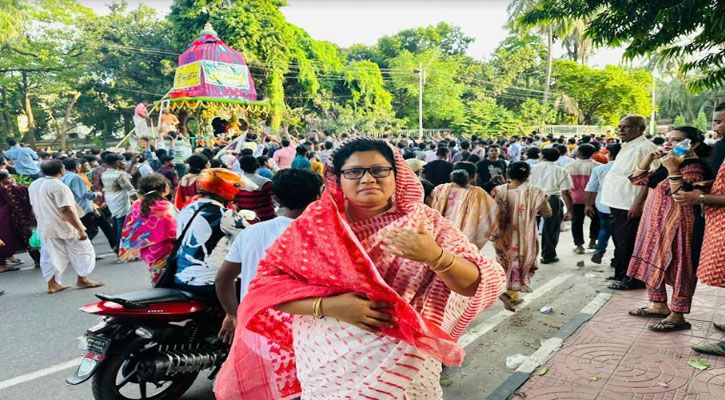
[578, 130]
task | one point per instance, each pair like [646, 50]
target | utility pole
[421, 78]
[652, 126]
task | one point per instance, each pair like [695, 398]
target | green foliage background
[75, 67]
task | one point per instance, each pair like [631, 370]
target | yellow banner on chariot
[188, 75]
[225, 74]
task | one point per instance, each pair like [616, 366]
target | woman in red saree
[347, 303]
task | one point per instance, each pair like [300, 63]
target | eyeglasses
[358, 173]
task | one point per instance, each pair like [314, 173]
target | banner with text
[224, 74]
[188, 75]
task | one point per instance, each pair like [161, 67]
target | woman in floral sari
[469, 207]
[516, 238]
[150, 228]
[363, 296]
[667, 249]
[16, 222]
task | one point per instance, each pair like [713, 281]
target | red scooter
[151, 344]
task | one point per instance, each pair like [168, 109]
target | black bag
[166, 279]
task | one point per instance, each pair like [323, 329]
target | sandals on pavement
[642, 312]
[8, 268]
[667, 326]
[623, 286]
[720, 327]
[711, 348]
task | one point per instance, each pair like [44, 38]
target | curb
[549, 347]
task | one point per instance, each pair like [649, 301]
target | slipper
[667, 326]
[623, 286]
[9, 269]
[642, 312]
[720, 327]
[711, 348]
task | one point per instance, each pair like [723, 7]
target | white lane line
[478, 331]
[40, 373]
[551, 345]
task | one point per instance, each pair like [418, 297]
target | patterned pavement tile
[709, 384]
[639, 373]
[549, 388]
[701, 314]
[584, 371]
[632, 362]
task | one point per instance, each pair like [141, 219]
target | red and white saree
[278, 356]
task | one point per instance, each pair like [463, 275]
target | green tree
[679, 121]
[442, 104]
[604, 96]
[679, 29]
[135, 62]
[48, 54]
[701, 121]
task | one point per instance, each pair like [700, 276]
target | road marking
[40, 373]
[478, 331]
[551, 345]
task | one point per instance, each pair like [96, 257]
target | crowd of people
[373, 233]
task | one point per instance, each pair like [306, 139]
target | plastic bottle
[682, 148]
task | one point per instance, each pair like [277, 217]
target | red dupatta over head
[319, 255]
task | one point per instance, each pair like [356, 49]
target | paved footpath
[615, 357]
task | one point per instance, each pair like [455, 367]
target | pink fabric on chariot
[321, 255]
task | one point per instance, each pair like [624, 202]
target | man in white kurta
[63, 236]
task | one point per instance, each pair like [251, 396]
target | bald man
[624, 199]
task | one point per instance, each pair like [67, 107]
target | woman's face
[674, 138]
[368, 191]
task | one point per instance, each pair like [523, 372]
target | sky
[346, 22]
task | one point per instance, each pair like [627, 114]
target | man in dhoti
[62, 235]
[139, 119]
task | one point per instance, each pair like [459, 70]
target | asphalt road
[41, 331]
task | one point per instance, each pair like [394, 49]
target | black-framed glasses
[358, 173]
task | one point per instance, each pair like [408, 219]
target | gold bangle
[437, 258]
[315, 307]
[438, 263]
[447, 267]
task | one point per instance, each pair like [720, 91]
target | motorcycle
[151, 344]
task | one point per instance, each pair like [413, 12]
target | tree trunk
[549, 55]
[28, 109]
[66, 121]
[9, 126]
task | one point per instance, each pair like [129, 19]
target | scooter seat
[143, 298]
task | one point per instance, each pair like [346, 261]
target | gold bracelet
[447, 267]
[437, 258]
[315, 308]
[438, 263]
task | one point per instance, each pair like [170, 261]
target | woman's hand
[672, 162]
[416, 245]
[687, 198]
[656, 154]
[357, 310]
[228, 326]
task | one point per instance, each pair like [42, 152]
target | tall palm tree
[569, 29]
